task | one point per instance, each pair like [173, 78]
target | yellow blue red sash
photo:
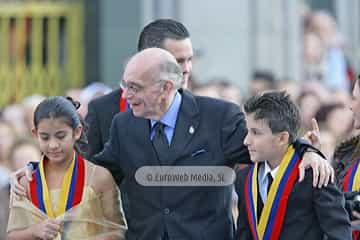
[71, 189]
[352, 183]
[272, 216]
[352, 177]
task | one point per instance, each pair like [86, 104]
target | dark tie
[160, 142]
[260, 203]
[270, 180]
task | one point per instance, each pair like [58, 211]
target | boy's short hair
[277, 109]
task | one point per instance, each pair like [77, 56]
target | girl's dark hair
[65, 108]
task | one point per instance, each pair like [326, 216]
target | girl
[63, 199]
[346, 164]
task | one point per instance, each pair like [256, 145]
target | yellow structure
[41, 48]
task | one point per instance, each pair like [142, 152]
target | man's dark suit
[183, 212]
[311, 212]
[101, 111]
[98, 119]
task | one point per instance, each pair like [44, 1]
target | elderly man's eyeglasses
[135, 88]
[131, 87]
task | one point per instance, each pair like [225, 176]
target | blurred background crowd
[318, 60]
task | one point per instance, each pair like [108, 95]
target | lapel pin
[191, 130]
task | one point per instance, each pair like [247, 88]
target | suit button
[166, 211]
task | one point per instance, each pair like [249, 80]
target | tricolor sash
[352, 183]
[71, 189]
[352, 177]
[272, 216]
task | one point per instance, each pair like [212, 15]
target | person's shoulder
[241, 175]
[307, 182]
[124, 117]
[105, 99]
[102, 178]
[347, 151]
[243, 171]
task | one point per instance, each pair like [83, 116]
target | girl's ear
[78, 131]
[34, 132]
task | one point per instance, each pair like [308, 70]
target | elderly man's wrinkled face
[143, 93]
[147, 87]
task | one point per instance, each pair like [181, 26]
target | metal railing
[41, 48]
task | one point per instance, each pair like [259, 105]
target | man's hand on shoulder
[322, 170]
[17, 189]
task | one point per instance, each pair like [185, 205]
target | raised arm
[322, 170]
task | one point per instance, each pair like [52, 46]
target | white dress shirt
[264, 169]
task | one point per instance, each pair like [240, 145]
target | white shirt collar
[266, 169]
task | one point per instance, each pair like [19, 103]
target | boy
[272, 203]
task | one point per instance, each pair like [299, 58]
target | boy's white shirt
[264, 169]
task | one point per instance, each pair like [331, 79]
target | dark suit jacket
[311, 212]
[101, 111]
[183, 212]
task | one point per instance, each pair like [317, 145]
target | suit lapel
[186, 125]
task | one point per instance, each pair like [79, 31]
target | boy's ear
[78, 131]
[284, 138]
